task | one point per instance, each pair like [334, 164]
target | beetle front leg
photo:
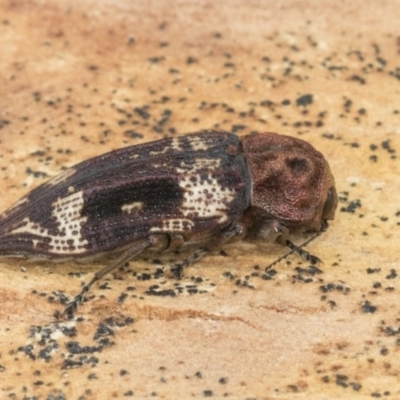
[274, 231]
[136, 249]
[237, 231]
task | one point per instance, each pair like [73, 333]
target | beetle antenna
[299, 249]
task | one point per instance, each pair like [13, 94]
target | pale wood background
[71, 75]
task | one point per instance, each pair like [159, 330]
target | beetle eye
[329, 205]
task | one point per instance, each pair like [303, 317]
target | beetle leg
[136, 249]
[238, 230]
[177, 268]
[273, 231]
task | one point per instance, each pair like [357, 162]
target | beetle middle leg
[237, 231]
[153, 241]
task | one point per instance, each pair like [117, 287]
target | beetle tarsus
[73, 305]
[178, 268]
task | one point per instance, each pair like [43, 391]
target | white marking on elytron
[162, 165]
[174, 225]
[197, 143]
[174, 145]
[135, 206]
[67, 212]
[204, 197]
[61, 177]
[208, 163]
[195, 200]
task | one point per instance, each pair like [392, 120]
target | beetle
[200, 190]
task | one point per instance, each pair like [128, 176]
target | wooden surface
[81, 78]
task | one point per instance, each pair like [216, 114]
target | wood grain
[81, 78]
